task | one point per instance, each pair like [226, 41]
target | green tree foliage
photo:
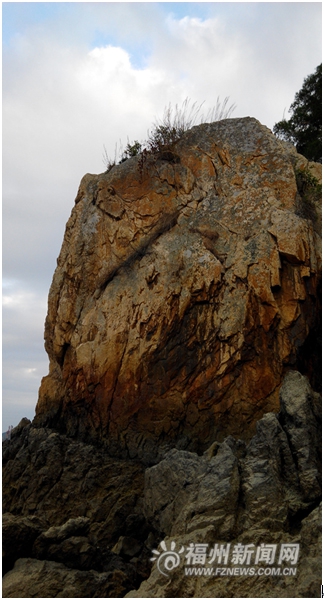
[304, 128]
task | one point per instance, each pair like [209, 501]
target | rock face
[185, 289]
[83, 524]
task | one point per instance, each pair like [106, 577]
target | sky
[84, 77]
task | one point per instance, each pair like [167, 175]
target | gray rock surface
[301, 414]
[266, 491]
[68, 502]
[306, 582]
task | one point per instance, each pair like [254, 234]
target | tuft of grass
[109, 162]
[165, 133]
[177, 120]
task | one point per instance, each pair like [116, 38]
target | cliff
[185, 289]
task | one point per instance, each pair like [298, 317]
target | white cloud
[24, 358]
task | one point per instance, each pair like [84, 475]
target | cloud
[78, 76]
[24, 358]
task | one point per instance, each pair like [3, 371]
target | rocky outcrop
[182, 318]
[69, 503]
[85, 524]
[69, 490]
[279, 468]
[185, 289]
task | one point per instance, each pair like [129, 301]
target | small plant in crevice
[121, 155]
[310, 191]
[166, 132]
[131, 150]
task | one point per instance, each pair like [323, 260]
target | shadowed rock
[265, 491]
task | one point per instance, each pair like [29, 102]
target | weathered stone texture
[68, 504]
[34, 578]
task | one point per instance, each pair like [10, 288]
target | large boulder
[185, 288]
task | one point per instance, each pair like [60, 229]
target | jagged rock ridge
[185, 290]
